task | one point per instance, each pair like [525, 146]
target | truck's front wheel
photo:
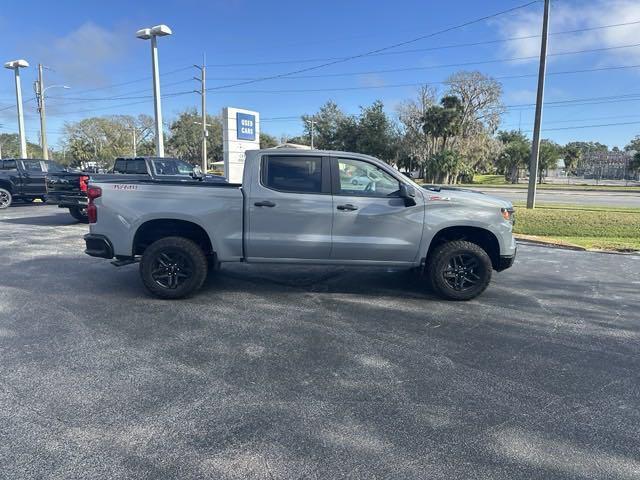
[173, 267]
[459, 270]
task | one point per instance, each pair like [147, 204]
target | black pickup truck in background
[69, 190]
[25, 179]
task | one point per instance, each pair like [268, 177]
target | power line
[588, 126]
[547, 122]
[360, 87]
[482, 62]
[115, 85]
[284, 76]
[378, 50]
[446, 65]
[427, 49]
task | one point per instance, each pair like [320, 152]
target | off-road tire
[439, 265]
[5, 198]
[188, 253]
[79, 214]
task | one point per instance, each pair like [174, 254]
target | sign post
[241, 132]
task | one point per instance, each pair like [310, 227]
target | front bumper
[506, 261]
[98, 246]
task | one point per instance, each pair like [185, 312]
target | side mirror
[408, 193]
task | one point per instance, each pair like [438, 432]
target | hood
[464, 195]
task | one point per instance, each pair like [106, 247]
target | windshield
[172, 167]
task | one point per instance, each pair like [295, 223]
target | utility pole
[203, 98]
[311, 130]
[135, 152]
[41, 109]
[40, 90]
[535, 147]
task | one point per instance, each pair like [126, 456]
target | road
[571, 197]
[285, 373]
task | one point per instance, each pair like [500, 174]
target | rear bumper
[67, 201]
[506, 261]
[98, 246]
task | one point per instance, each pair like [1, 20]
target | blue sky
[91, 46]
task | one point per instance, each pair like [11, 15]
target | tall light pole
[203, 98]
[38, 86]
[16, 65]
[152, 34]
[535, 147]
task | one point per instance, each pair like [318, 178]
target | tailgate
[64, 183]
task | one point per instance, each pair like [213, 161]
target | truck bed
[217, 208]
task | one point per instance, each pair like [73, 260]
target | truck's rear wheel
[459, 270]
[173, 267]
[5, 198]
[79, 213]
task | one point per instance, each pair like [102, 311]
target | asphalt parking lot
[278, 373]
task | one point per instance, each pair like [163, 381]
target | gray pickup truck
[301, 207]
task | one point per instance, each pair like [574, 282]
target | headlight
[509, 214]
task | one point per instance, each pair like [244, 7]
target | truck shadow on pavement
[59, 219]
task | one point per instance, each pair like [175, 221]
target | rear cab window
[130, 166]
[8, 165]
[292, 173]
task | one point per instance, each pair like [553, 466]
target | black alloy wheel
[459, 270]
[173, 267]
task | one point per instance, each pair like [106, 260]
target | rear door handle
[265, 203]
[348, 207]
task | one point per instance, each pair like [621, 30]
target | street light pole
[535, 147]
[157, 107]
[152, 34]
[16, 65]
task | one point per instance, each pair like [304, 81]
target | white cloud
[85, 56]
[574, 16]
[371, 80]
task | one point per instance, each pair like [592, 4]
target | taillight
[92, 210]
[84, 182]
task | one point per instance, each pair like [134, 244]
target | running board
[124, 261]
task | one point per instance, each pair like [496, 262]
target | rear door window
[33, 166]
[295, 174]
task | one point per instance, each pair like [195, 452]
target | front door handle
[265, 203]
[348, 207]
